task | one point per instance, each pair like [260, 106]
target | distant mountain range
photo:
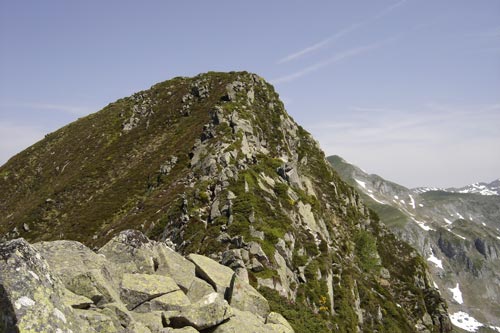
[456, 229]
[492, 188]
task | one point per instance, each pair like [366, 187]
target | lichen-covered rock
[139, 288]
[244, 297]
[170, 301]
[93, 285]
[199, 289]
[217, 275]
[68, 259]
[152, 320]
[131, 252]
[31, 298]
[173, 264]
[210, 311]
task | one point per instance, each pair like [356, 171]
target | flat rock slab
[219, 276]
[172, 301]
[139, 288]
[210, 311]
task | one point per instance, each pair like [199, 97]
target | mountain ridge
[458, 233]
[214, 165]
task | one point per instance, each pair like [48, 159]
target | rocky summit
[215, 168]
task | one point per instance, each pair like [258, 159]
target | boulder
[98, 321]
[92, 284]
[199, 289]
[152, 320]
[68, 259]
[131, 252]
[171, 301]
[244, 297]
[117, 312]
[31, 298]
[173, 264]
[139, 288]
[217, 275]
[210, 311]
[76, 301]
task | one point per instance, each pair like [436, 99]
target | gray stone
[244, 297]
[152, 320]
[198, 289]
[76, 301]
[139, 288]
[31, 298]
[256, 266]
[256, 250]
[173, 264]
[92, 284]
[278, 319]
[247, 322]
[170, 301]
[211, 310]
[215, 274]
[131, 252]
[68, 259]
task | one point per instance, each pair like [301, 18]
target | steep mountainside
[214, 165]
[458, 233]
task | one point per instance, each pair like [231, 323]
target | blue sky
[407, 89]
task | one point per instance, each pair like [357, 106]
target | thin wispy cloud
[341, 33]
[350, 53]
[318, 45]
[393, 141]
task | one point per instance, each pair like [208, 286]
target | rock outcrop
[132, 284]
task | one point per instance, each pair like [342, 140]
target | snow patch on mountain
[373, 197]
[447, 221]
[362, 184]
[422, 224]
[457, 294]
[464, 321]
[412, 201]
[435, 260]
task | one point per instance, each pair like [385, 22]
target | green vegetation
[366, 251]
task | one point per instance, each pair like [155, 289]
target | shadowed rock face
[116, 297]
[213, 165]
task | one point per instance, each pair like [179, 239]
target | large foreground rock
[31, 298]
[147, 288]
